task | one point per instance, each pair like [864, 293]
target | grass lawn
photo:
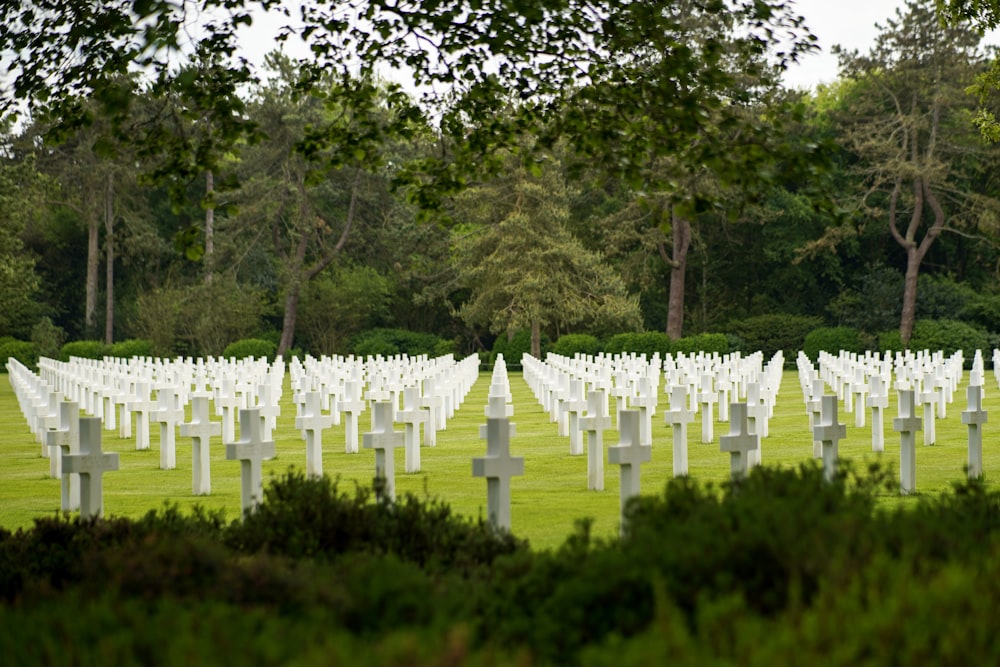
[545, 502]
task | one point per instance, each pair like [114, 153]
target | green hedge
[770, 333]
[23, 351]
[647, 342]
[946, 336]
[85, 349]
[251, 347]
[705, 342]
[134, 347]
[569, 345]
[388, 342]
[832, 340]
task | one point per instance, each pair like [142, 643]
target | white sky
[849, 23]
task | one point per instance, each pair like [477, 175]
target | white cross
[929, 399]
[200, 429]
[434, 405]
[498, 466]
[975, 417]
[141, 407]
[829, 433]
[707, 399]
[575, 406]
[227, 402]
[65, 441]
[411, 416]
[90, 464]
[907, 424]
[311, 422]
[678, 417]
[168, 414]
[269, 407]
[250, 450]
[384, 441]
[352, 406]
[878, 400]
[630, 454]
[595, 422]
[739, 442]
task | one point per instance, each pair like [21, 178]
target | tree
[20, 194]
[311, 200]
[907, 121]
[524, 269]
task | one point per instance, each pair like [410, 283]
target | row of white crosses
[921, 380]
[691, 385]
[431, 390]
[498, 466]
[79, 459]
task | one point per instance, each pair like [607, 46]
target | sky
[849, 23]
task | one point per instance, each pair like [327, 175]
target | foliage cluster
[947, 336]
[770, 333]
[832, 340]
[251, 347]
[388, 342]
[24, 351]
[133, 347]
[84, 349]
[770, 569]
[515, 348]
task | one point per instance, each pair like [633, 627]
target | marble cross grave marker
[678, 417]
[411, 416]
[65, 441]
[829, 433]
[250, 450]
[311, 422]
[907, 424]
[384, 441]
[200, 429]
[498, 466]
[630, 454]
[90, 464]
[739, 441]
[594, 423]
[975, 417]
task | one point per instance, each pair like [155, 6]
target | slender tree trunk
[536, 340]
[909, 315]
[93, 271]
[291, 315]
[676, 259]
[109, 258]
[209, 227]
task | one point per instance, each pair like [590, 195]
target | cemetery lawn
[545, 503]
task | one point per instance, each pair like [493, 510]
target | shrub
[770, 333]
[703, 342]
[831, 340]
[948, 336]
[251, 347]
[647, 343]
[23, 351]
[518, 346]
[572, 344]
[619, 343]
[394, 341]
[85, 349]
[133, 347]
[48, 338]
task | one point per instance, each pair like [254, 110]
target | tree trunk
[536, 340]
[909, 315]
[109, 258]
[678, 271]
[93, 270]
[209, 226]
[291, 314]
[676, 259]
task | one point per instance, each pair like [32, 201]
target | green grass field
[545, 502]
